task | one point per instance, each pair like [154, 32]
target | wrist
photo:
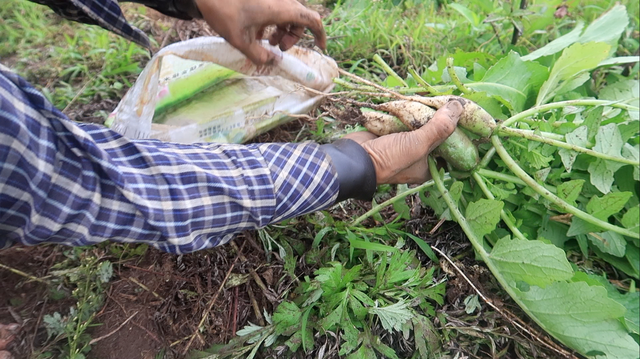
[354, 167]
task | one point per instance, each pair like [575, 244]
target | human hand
[402, 157]
[242, 23]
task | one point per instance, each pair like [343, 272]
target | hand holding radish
[402, 157]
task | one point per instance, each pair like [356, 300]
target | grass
[75, 65]
[69, 62]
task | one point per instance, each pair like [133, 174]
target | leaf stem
[503, 214]
[422, 82]
[377, 208]
[553, 105]
[388, 69]
[507, 131]
[487, 158]
[544, 192]
[454, 78]
[476, 242]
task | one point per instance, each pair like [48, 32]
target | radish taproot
[474, 118]
[457, 150]
[381, 124]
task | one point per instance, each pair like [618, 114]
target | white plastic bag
[204, 90]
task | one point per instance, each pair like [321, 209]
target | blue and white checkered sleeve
[76, 184]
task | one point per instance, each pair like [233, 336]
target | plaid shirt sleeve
[74, 184]
[105, 13]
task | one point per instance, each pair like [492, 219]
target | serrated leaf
[570, 190]
[534, 262]
[577, 137]
[427, 341]
[383, 349]
[609, 242]
[623, 90]
[483, 215]
[574, 60]
[582, 317]
[512, 80]
[392, 316]
[631, 219]
[286, 317]
[350, 336]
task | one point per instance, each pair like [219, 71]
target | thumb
[441, 126]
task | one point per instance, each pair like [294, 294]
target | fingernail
[455, 108]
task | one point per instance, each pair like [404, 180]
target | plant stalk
[554, 105]
[513, 166]
[454, 78]
[388, 69]
[377, 208]
[507, 131]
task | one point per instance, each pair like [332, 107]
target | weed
[87, 275]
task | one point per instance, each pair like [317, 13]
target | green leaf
[577, 137]
[573, 83]
[557, 45]
[287, 315]
[582, 317]
[608, 140]
[608, 27]
[469, 15]
[483, 216]
[633, 153]
[609, 242]
[569, 191]
[602, 174]
[534, 262]
[607, 205]
[350, 336]
[601, 208]
[512, 80]
[427, 342]
[592, 121]
[392, 316]
[631, 219]
[356, 243]
[574, 60]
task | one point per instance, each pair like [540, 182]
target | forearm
[79, 185]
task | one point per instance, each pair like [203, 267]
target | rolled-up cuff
[356, 173]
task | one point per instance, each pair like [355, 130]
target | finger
[277, 35]
[291, 37]
[260, 33]
[361, 136]
[252, 49]
[302, 17]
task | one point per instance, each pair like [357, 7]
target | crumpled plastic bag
[204, 90]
